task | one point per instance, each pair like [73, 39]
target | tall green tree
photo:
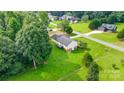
[66, 27]
[93, 72]
[85, 18]
[10, 62]
[112, 19]
[11, 22]
[95, 24]
[120, 34]
[33, 39]
[13, 26]
[87, 59]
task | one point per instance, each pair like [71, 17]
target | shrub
[120, 35]
[93, 72]
[94, 24]
[87, 59]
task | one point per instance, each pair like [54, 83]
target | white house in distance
[72, 19]
[51, 17]
[64, 42]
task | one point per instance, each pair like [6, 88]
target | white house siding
[72, 45]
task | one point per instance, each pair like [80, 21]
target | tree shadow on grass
[78, 50]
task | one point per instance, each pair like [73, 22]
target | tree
[33, 40]
[94, 24]
[112, 19]
[93, 72]
[68, 29]
[82, 45]
[85, 18]
[10, 62]
[122, 18]
[87, 59]
[120, 34]
[57, 13]
[65, 26]
[14, 27]
[11, 22]
[78, 13]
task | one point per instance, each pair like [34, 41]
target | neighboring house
[65, 42]
[72, 19]
[108, 27]
[51, 17]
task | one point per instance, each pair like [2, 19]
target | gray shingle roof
[109, 27]
[65, 40]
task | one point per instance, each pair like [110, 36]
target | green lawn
[61, 65]
[105, 57]
[120, 26]
[68, 66]
[81, 27]
[110, 38]
[106, 36]
[56, 22]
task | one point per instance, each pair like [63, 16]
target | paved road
[96, 40]
[100, 41]
[93, 32]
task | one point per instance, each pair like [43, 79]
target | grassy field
[81, 27]
[68, 66]
[56, 22]
[105, 57]
[110, 38]
[61, 65]
[120, 26]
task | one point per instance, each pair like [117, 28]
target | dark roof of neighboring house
[108, 26]
[65, 40]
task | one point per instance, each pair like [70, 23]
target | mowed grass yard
[111, 37]
[55, 22]
[61, 65]
[81, 27]
[68, 66]
[105, 57]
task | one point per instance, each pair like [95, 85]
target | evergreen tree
[93, 72]
[33, 40]
[95, 24]
[87, 59]
[120, 34]
[10, 62]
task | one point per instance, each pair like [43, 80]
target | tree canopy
[66, 27]
[33, 40]
[10, 62]
[93, 72]
[120, 34]
[95, 24]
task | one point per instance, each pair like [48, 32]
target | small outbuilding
[108, 27]
[65, 42]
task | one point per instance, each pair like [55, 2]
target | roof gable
[65, 40]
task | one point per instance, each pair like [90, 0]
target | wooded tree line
[116, 16]
[24, 41]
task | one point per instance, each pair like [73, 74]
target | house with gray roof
[72, 19]
[108, 27]
[64, 42]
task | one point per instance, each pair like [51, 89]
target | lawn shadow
[78, 50]
[59, 64]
